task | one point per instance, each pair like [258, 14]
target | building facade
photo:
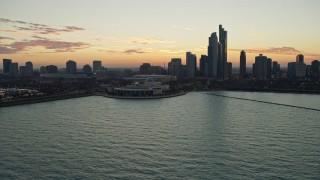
[71, 67]
[243, 63]
[213, 56]
[191, 61]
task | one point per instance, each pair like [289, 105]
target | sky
[127, 33]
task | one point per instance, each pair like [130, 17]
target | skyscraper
[213, 55]
[23, 71]
[223, 55]
[51, 69]
[275, 69]
[229, 69]
[191, 61]
[29, 68]
[87, 69]
[6, 66]
[315, 68]
[291, 69]
[300, 58]
[243, 61]
[71, 67]
[145, 68]
[204, 65]
[300, 66]
[14, 69]
[174, 67]
[269, 67]
[261, 66]
[96, 65]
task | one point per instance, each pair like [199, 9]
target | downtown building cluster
[212, 65]
[12, 68]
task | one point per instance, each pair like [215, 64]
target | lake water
[195, 136]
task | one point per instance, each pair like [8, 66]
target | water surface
[195, 136]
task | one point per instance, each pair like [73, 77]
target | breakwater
[266, 102]
[44, 99]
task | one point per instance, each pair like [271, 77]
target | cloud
[182, 28]
[131, 51]
[173, 52]
[140, 40]
[279, 50]
[40, 28]
[254, 33]
[39, 37]
[7, 30]
[57, 46]
[147, 40]
[272, 50]
[7, 38]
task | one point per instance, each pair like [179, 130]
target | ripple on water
[195, 136]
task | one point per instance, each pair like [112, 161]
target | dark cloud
[272, 50]
[131, 51]
[279, 50]
[40, 28]
[7, 30]
[39, 37]
[57, 46]
[8, 38]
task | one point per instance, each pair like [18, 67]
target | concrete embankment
[43, 99]
[142, 97]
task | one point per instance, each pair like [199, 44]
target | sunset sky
[126, 33]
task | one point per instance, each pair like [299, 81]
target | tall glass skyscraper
[223, 55]
[213, 55]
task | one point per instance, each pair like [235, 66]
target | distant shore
[85, 94]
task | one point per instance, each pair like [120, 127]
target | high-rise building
[301, 70]
[308, 70]
[315, 69]
[71, 67]
[243, 61]
[156, 70]
[269, 67]
[191, 61]
[51, 69]
[300, 58]
[174, 67]
[87, 69]
[29, 69]
[6, 66]
[14, 69]
[213, 55]
[97, 66]
[145, 68]
[229, 69]
[222, 53]
[291, 69]
[23, 71]
[300, 66]
[204, 65]
[275, 69]
[261, 66]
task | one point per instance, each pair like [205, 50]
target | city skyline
[155, 32]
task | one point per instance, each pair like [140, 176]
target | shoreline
[141, 97]
[78, 95]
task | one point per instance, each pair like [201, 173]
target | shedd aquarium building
[148, 88]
